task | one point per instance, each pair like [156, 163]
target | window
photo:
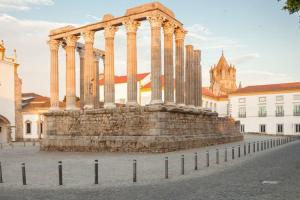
[279, 111]
[242, 100]
[297, 110]
[242, 112]
[297, 128]
[28, 127]
[41, 127]
[279, 128]
[262, 99]
[242, 128]
[279, 98]
[262, 111]
[262, 128]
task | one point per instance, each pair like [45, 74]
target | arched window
[28, 127]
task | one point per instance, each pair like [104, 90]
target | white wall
[35, 120]
[252, 121]
[7, 93]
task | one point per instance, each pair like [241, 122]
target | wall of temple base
[141, 129]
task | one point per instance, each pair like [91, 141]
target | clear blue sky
[261, 39]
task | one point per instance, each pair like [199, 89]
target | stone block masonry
[154, 129]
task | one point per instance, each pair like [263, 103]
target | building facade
[10, 97]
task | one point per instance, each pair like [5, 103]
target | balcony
[242, 115]
[262, 114]
[279, 114]
[296, 113]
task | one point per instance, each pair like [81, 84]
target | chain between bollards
[23, 174]
[134, 179]
[96, 172]
[166, 168]
[60, 175]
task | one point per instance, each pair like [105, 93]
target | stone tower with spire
[222, 77]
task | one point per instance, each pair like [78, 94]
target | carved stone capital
[180, 33]
[109, 31]
[89, 36]
[168, 27]
[155, 21]
[71, 40]
[54, 44]
[131, 25]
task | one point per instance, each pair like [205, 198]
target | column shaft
[197, 77]
[109, 73]
[156, 86]
[70, 73]
[188, 72]
[131, 28]
[168, 63]
[54, 81]
[81, 77]
[96, 82]
[88, 70]
[179, 71]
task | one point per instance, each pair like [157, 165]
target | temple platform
[152, 129]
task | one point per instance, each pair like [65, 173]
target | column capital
[71, 40]
[54, 44]
[156, 20]
[109, 31]
[180, 33]
[168, 27]
[89, 36]
[131, 25]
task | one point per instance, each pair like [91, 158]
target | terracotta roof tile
[268, 88]
[123, 79]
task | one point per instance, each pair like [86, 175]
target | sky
[258, 37]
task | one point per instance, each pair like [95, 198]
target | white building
[270, 109]
[10, 100]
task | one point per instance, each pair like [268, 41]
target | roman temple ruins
[177, 122]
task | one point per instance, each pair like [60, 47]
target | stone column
[54, 84]
[197, 78]
[96, 81]
[188, 72]
[131, 28]
[81, 55]
[88, 69]
[70, 72]
[179, 74]
[156, 86]
[109, 73]
[200, 80]
[168, 28]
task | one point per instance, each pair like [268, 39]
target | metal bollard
[249, 148]
[253, 147]
[23, 174]
[264, 144]
[232, 153]
[261, 145]
[60, 178]
[182, 164]
[24, 143]
[257, 146]
[217, 156]
[33, 143]
[207, 158]
[268, 144]
[239, 151]
[271, 143]
[225, 157]
[134, 171]
[166, 168]
[1, 180]
[96, 172]
[196, 161]
[245, 152]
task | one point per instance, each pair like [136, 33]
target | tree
[292, 6]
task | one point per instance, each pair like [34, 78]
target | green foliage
[292, 6]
